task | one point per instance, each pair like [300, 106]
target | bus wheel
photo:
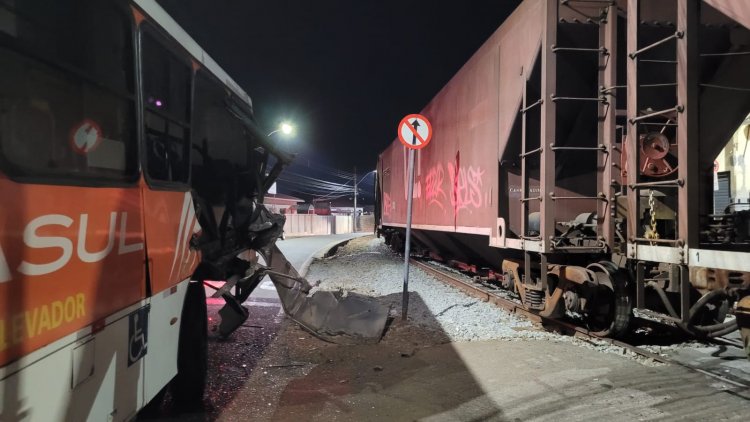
[188, 386]
[153, 409]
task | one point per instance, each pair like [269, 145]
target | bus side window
[67, 97]
[166, 96]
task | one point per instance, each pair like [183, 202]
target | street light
[285, 127]
[355, 193]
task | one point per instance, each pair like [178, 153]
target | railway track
[486, 294]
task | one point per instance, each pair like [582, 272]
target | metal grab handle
[533, 198]
[602, 50]
[676, 35]
[536, 103]
[533, 151]
[601, 147]
[678, 183]
[555, 98]
[598, 197]
[677, 108]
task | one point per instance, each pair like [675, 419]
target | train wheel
[611, 307]
[397, 242]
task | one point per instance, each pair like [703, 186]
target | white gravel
[367, 266]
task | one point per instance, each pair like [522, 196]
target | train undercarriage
[600, 293]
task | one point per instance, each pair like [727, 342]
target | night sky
[345, 72]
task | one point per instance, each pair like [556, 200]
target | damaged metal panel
[244, 226]
[351, 319]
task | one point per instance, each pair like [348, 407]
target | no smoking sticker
[415, 131]
[85, 137]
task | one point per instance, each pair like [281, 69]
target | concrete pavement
[412, 376]
[417, 373]
[300, 251]
[234, 359]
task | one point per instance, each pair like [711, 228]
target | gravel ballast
[367, 266]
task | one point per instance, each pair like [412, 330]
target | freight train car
[573, 158]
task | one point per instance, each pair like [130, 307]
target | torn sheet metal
[353, 319]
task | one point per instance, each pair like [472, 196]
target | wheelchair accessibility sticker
[137, 335]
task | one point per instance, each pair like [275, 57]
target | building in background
[283, 204]
[732, 178]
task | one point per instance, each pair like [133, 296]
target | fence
[366, 223]
[309, 224]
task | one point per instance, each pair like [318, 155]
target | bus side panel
[170, 224]
[85, 376]
[69, 257]
[164, 328]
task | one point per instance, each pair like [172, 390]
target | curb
[322, 253]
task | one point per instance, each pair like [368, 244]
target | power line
[322, 181]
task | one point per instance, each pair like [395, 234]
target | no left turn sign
[415, 131]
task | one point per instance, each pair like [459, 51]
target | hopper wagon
[574, 162]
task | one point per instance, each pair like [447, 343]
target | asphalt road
[298, 251]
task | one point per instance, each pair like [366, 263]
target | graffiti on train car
[467, 186]
[433, 189]
[388, 204]
[464, 184]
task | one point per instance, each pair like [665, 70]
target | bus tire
[153, 409]
[187, 388]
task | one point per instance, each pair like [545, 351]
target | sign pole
[354, 225]
[415, 132]
[407, 247]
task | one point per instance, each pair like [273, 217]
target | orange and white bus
[129, 161]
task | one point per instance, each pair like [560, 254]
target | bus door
[169, 214]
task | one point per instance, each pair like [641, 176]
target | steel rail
[563, 327]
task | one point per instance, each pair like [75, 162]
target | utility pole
[355, 199]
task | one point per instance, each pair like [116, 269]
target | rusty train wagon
[572, 160]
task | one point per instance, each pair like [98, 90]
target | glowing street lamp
[285, 128]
